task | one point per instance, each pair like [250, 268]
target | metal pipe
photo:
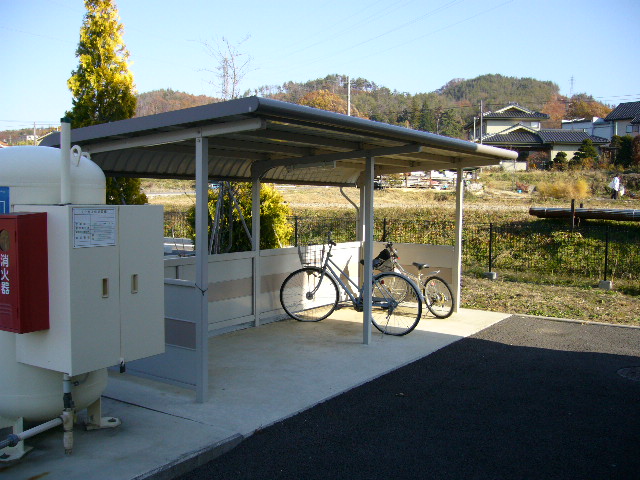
[65, 161]
[15, 438]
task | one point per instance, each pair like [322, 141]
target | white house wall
[620, 127]
[570, 150]
[497, 126]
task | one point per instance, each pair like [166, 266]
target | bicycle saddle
[420, 266]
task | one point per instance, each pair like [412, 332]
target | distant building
[596, 126]
[625, 119]
[517, 128]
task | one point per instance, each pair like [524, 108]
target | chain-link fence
[526, 251]
[176, 224]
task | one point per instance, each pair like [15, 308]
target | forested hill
[447, 109]
[444, 111]
[166, 100]
[497, 91]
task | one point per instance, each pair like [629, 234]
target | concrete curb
[570, 320]
[187, 462]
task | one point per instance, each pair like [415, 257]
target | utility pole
[35, 137]
[349, 95]
[481, 111]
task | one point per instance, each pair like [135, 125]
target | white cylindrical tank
[33, 177]
[35, 394]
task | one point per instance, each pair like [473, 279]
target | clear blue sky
[407, 45]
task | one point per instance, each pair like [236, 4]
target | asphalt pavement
[527, 398]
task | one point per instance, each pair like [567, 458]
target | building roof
[554, 135]
[516, 111]
[517, 137]
[279, 142]
[625, 111]
[520, 135]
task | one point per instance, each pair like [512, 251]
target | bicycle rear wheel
[396, 305]
[438, 297]
[309, 295]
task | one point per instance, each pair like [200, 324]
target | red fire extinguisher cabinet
[24, 272]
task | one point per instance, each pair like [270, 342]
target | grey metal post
[368, 250]
[457, 249]
[202, 268]
[255, 246]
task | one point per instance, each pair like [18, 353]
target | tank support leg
[10, 454]
[96, 421]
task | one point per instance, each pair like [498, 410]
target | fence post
[295, 230]
[491, 275]
[606, 284]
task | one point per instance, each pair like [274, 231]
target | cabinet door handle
[105, 288]
[134, 283]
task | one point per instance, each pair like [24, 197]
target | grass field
[497, 202]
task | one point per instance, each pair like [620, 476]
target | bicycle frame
[329, 266]
[419, 278]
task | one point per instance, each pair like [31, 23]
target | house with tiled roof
[517, 128]
[625, 119]
[507, 117]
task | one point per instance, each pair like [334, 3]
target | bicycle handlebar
[329, 240]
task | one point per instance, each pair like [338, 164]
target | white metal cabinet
[95, 318]
[141, 281]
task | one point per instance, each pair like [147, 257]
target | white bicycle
[437, 294]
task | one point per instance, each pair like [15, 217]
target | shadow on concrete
[526, 398]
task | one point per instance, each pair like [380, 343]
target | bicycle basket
[311, 255]
[383, 262]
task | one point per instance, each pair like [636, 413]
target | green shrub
[275, 230]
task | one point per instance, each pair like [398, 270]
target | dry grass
[577, 189]
[592, 304]
[498, 202]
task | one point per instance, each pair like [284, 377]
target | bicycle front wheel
[397, 306]
[309, 295]
[438, 297]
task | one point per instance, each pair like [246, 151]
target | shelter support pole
[360, 222]
[255, 246]
[202, 268]
[457, 249]
[368, 250]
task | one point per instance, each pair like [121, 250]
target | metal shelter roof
[280, 142]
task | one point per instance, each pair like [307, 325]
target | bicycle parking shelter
[264, 141]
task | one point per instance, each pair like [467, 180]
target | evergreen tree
[586, 156]
[560, 161]
[102, 85]
[624, 154]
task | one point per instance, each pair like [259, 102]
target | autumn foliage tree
[102, 85]
[582, 105]
[325, 100]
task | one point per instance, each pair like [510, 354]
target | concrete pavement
[259, 376]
